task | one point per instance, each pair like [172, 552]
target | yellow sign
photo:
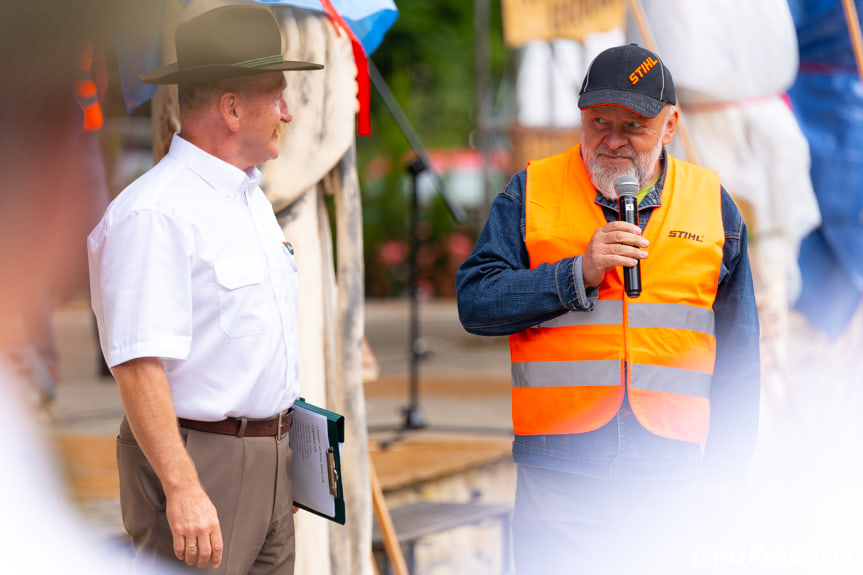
[526, 20]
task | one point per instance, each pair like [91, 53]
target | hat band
[256, 62]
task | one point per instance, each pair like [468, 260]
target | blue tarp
[827, 98]
[137, 38]
[368, 19]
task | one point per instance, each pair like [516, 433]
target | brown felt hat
[227, 42]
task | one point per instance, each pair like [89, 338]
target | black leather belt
[276, 426]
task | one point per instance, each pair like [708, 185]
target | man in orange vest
[624, 408]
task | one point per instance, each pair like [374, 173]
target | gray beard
[643, 168]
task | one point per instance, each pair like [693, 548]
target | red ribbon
[364, 119]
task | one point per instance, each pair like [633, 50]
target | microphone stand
[407, 130]
[413, 418]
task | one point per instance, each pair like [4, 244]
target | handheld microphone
[626, 187]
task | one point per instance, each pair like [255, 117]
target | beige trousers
[249, 481]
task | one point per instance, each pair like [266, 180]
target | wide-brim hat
[227, 42]
[628, 76]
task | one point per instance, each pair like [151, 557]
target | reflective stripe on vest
[568, 374]
[679, 316]
[564, 373]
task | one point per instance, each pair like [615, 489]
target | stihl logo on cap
[642, 70]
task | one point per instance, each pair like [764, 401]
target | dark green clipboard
[316, 439]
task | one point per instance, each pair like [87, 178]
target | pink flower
[393, 252]
[460, 246]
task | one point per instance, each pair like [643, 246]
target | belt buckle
[279, 429]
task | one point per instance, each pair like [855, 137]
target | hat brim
[172, 74]
[633, 101]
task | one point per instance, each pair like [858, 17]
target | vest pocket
[241, 296]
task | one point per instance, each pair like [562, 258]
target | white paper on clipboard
[309, 443]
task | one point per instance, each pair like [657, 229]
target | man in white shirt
[195, 293]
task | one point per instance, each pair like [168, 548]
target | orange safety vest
[86, 93]
[569, 375]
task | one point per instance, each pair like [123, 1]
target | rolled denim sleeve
[735, 392]
[498, 292]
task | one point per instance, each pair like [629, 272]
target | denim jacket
[499, 294]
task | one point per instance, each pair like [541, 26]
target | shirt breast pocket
[242, 298]
[287, 272]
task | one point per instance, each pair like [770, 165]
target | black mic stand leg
[413, 415]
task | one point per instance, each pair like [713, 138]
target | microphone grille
[626, 185]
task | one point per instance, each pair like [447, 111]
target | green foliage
[427, 59]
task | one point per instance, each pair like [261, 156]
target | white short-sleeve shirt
[189, 265]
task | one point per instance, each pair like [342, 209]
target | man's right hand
[195, 526]
[194, 521]
[614, 244]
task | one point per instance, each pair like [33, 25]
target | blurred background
[459, 96]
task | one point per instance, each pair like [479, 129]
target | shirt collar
[224, 178]
[653, 197]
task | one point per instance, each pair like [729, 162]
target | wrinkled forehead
[272, 81]
[261, 83]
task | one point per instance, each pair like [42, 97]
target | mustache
[624, 152]
[281, 129]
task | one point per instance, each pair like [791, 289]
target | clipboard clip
[332, 474]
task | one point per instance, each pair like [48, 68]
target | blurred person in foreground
[195, 293]
[628, 413]
[40, 208]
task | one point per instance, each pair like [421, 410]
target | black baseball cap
[628, 76]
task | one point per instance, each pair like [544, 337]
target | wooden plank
[428, 517]
[458, 387]
[90, 463]
[413, 461]
[526, 20]
[534, 142]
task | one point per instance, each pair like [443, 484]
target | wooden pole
[385, 522]
[637, 11]
[345, 388]
[853, 22]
